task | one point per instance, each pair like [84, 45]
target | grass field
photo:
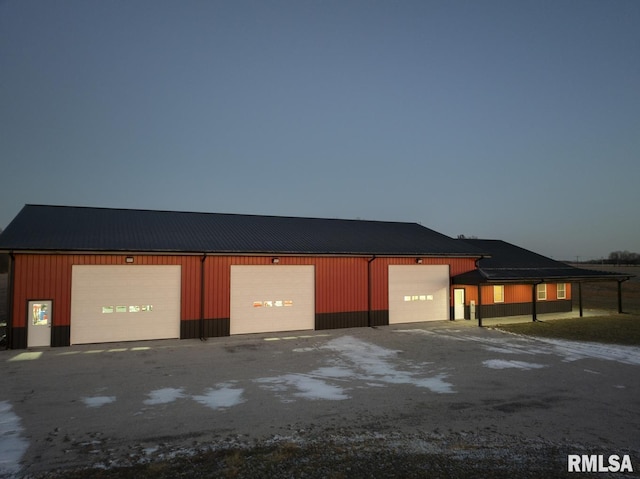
[612, 328]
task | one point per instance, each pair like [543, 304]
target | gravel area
[342, 454]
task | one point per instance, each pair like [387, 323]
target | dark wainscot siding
[354, 319]
[212, 328]
[519, 309]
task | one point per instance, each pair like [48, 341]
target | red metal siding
[42, 277]
[49, 277]
[513, 293]
[342, 283]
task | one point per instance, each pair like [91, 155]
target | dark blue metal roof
[67, 228]
[511, 263]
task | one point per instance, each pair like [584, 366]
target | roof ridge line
[255, 215]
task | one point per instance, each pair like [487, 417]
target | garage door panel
[272, 298]
[418, 293]
[124, 303]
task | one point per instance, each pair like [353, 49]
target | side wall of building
[517, 300]
[349, 291]
[48, 277]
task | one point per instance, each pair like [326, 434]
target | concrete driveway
[117, 403]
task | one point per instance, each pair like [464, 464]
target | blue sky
[517, 120]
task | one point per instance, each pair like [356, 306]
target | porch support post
[534, 290]
[580, 296]
[479, 308]
[620, 297]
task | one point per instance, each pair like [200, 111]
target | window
[542, 292]
[498, 294]
[562, 290]
[419, 297]
[123, 309]
[278, 303]
[40, 313]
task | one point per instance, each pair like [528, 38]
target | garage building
[93, 275]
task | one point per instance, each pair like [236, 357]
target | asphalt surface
[444, 382]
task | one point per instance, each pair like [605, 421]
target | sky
[513, 120]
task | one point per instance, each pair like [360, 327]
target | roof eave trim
[237, 252]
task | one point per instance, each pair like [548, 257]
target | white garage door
[418, 293]
[272, 298]
[124, 303]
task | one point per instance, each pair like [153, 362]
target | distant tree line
[620, 257]
[623, 257]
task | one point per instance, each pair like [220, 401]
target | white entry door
[418, 293]
[458, 303]
[39, 323]
[268, 298]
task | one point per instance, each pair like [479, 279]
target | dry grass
[604, 295]
[613, 328]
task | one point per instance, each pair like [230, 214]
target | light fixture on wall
[129, 259]
[275, 260]
[419, 260]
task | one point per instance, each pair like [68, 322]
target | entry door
[458, 304]
[39, 323]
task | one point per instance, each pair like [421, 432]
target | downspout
[369, 286]
[202, 336]
[479, 308]
[9, 303]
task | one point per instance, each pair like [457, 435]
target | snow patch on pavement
[507, 364]
[221, 397]
[98, 401]
[374, 363]
[12, 444]
[436, 384]
[517, 344]
[307, 386]
[164, 396]
[354, 360]
[575, 350]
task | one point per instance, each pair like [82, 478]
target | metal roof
[511, 263]
[69, 228]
